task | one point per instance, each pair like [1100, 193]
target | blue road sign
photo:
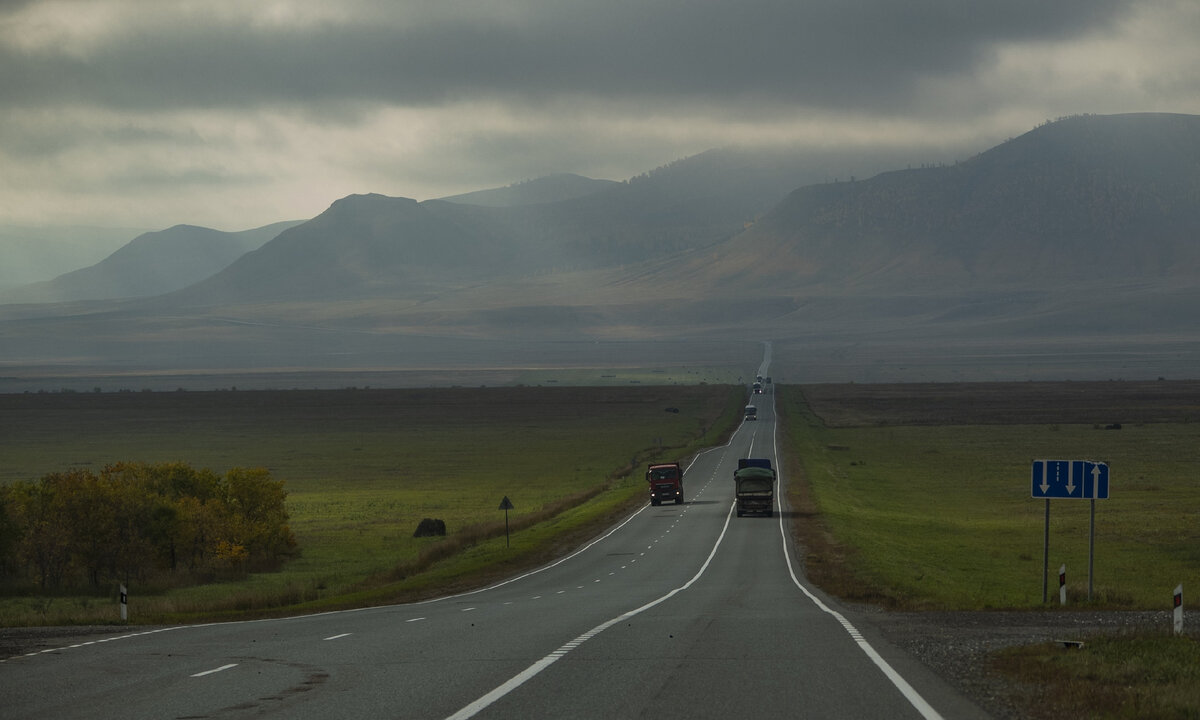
[1078, 479]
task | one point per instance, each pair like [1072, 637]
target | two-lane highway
[680, 611]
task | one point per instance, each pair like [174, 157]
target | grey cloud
[840, 54]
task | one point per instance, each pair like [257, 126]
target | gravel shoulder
[957, 645]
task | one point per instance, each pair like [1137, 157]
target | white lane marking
[414, 619]
[474, 708]
[909, 693]
[215, 670]
[338, 637]
[467, 609]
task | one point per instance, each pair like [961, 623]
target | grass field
[362, 468]
[940, 515]
[918, 497]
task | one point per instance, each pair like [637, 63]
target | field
[918, 497]
[362, 468]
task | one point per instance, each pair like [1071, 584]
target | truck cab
[666, 483]
[751, 412]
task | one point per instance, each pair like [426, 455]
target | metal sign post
[1069, 479]
[506, 505]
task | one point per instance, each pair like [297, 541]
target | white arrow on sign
[1070, 478]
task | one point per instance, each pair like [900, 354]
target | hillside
[551, 188]
[1086, 200]
[151, 264]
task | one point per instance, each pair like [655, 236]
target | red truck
[666, 483]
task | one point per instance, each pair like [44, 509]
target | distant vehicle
[768, 379]
[757, 388]
[751, 412]
[758, 378]
[755, 492]
[666, 482]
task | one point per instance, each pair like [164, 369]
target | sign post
[506, 505]
[1179, 609]
[1069, 479]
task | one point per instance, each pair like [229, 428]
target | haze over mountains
[1083, 233]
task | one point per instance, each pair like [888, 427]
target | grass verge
[1124, 676]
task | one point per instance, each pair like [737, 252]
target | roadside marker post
[1062, 585]
[124, 603]
[1178, 609]
[1069, 479]
[506, 505]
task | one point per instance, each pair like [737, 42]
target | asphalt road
[680, 611]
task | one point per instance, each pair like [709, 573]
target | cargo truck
[666, 483]
[751, 412]
[755, 481]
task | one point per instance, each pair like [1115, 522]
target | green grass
[929, 516]
[362, 468]
[941, 516]
[1133, 676]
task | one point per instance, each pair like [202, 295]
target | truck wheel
[770, 512]
[678, 499]
[739, 512]
[654, 501]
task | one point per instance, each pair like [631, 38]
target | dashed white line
[338, 637]
[215, 670]
[479, 705]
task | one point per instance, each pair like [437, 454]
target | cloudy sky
[234, 114]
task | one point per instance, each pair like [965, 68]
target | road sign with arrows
[1078, 479]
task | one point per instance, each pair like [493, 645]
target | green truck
[755, 492]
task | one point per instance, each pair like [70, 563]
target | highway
[679, 611]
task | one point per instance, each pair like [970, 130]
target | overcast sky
[234, 114]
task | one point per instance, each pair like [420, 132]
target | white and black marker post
[1179, 609]
[1062, 585]
[506, 505]
[124, 603]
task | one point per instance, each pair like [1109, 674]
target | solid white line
[338, 637]
[528, 673]
[910, 694]
[215, 670]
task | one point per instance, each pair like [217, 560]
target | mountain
[37, 254]
[151, 264]
[1088, 200]
[551, 188]
[1071, 249]
[372, 246]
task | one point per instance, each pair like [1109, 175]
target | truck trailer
[666, 483]
[755, 481]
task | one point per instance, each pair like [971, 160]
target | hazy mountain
[1085, 200]
[1079, 237]
[552, 188]
[35, 254]
[151, 264]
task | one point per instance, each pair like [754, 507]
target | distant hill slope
[552, 188]
[151, 264]
[1085, 200]
[370, 246]
[38, 254]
